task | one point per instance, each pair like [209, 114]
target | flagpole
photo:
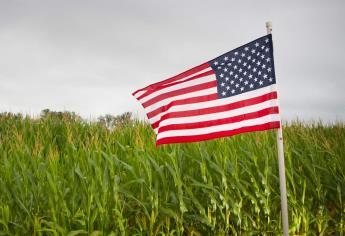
[283, 197]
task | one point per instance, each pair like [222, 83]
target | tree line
[109, 121]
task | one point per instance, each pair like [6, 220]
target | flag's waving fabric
[231, 94]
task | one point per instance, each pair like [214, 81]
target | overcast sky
[89, 56]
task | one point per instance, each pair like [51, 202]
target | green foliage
[111, 122]
[69, 177]
[60, 115]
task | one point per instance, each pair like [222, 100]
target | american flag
[231, 94]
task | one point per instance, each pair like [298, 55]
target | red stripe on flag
[155, 125]
[196, 138]
[222, 108]
[177, 77]
[228, 120]
[174, 93]
[148, 92]
[204, 98]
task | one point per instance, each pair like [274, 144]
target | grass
[61, 177]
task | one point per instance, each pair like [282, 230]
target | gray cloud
[88, 56]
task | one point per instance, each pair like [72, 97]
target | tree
[60, 115]
[111, 122]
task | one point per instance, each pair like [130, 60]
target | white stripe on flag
[212, 129]
[138, 94]
[194, 74]
[166, 101]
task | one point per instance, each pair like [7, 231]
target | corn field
[72, 177]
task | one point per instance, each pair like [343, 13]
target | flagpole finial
[269, 27]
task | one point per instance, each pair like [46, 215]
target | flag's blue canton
[246, 68]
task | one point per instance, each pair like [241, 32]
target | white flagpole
[283, 197]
